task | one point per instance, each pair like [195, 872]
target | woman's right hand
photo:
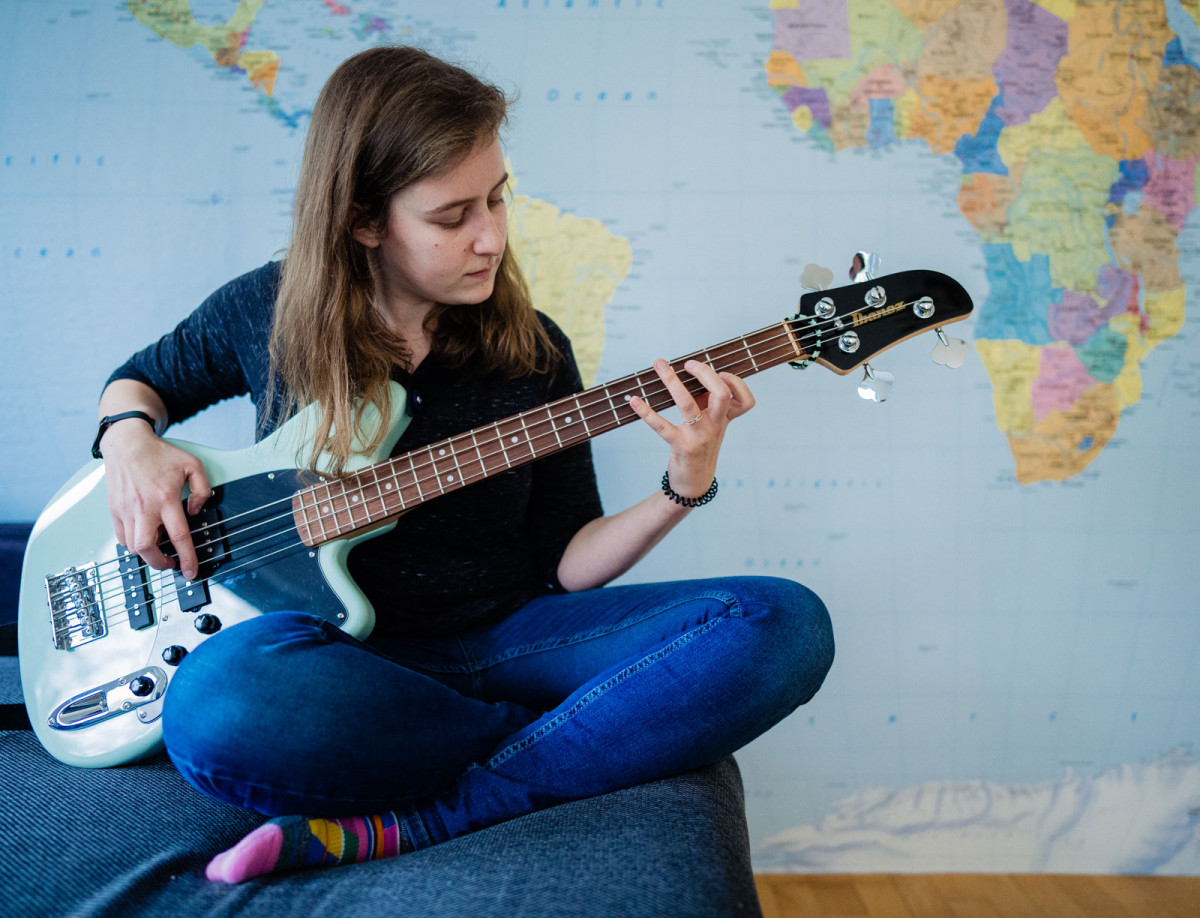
[146, 477]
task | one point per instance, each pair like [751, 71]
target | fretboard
[335, 508]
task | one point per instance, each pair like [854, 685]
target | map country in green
[1075, 129]
[175, 21]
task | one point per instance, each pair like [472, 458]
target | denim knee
[215, 696]
[798, 635]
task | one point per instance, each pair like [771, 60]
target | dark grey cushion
[133, 841]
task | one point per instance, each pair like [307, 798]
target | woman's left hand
[696, 440]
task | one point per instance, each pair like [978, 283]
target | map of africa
[1078, 175]
[1006, 549]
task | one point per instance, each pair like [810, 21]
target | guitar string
[606, 404]
[609, 396]
[604, 392]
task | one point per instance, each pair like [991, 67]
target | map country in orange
[1111, 67]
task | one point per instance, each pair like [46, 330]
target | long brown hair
[386, 118]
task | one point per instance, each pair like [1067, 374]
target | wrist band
[688, 501]
[108, 421]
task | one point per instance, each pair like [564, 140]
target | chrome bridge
[76, 607]
[76, 598]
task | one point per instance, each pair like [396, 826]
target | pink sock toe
[254, 855]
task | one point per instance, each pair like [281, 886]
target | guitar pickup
[208, 537]
[192, 594]
[135, 589]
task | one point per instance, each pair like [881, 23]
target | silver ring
[690, 421]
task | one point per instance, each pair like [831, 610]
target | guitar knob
[141, 686]
[207, 623]
[174, 654]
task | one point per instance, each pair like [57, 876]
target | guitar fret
[528, 438]
[587, 433]
[329, 509]
[306, 524]
[392, 486]
[480, 458]
[750, 354]
[316, 509]
[415, 477]
[503, 447]
[352, 503]
[437, 472]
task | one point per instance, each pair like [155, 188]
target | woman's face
[444, 237]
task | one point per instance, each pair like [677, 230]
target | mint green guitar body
[100, 635]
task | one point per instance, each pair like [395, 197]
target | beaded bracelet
[688, 501]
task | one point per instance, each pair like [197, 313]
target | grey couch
[133, 841]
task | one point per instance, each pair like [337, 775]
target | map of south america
[1078, 175]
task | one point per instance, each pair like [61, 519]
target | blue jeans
[573, 695]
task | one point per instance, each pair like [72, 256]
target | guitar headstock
[845, 327]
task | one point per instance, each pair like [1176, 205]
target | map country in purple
[815, 100]
[1170, 188]
[815, 30]
[1024, 71]
[1077, 316]
[1061, 381]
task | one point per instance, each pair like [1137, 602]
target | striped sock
[294, 842]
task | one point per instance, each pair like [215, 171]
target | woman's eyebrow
[453, 204]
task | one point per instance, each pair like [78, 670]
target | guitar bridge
[76, 601]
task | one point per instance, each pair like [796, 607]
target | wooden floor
[976, 896]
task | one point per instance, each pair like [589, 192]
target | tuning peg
[876, 385]
[864, 266]
[815, 277]
[950, 352]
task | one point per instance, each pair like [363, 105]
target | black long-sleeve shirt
[470, 556]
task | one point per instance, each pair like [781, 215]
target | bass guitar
[100, 634]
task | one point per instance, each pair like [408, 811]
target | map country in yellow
[573, 266]
[1059, 212]
[174, 21]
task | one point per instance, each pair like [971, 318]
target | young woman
[500, 678]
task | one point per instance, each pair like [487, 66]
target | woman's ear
[364, 231]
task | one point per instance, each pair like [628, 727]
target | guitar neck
[336, 508]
